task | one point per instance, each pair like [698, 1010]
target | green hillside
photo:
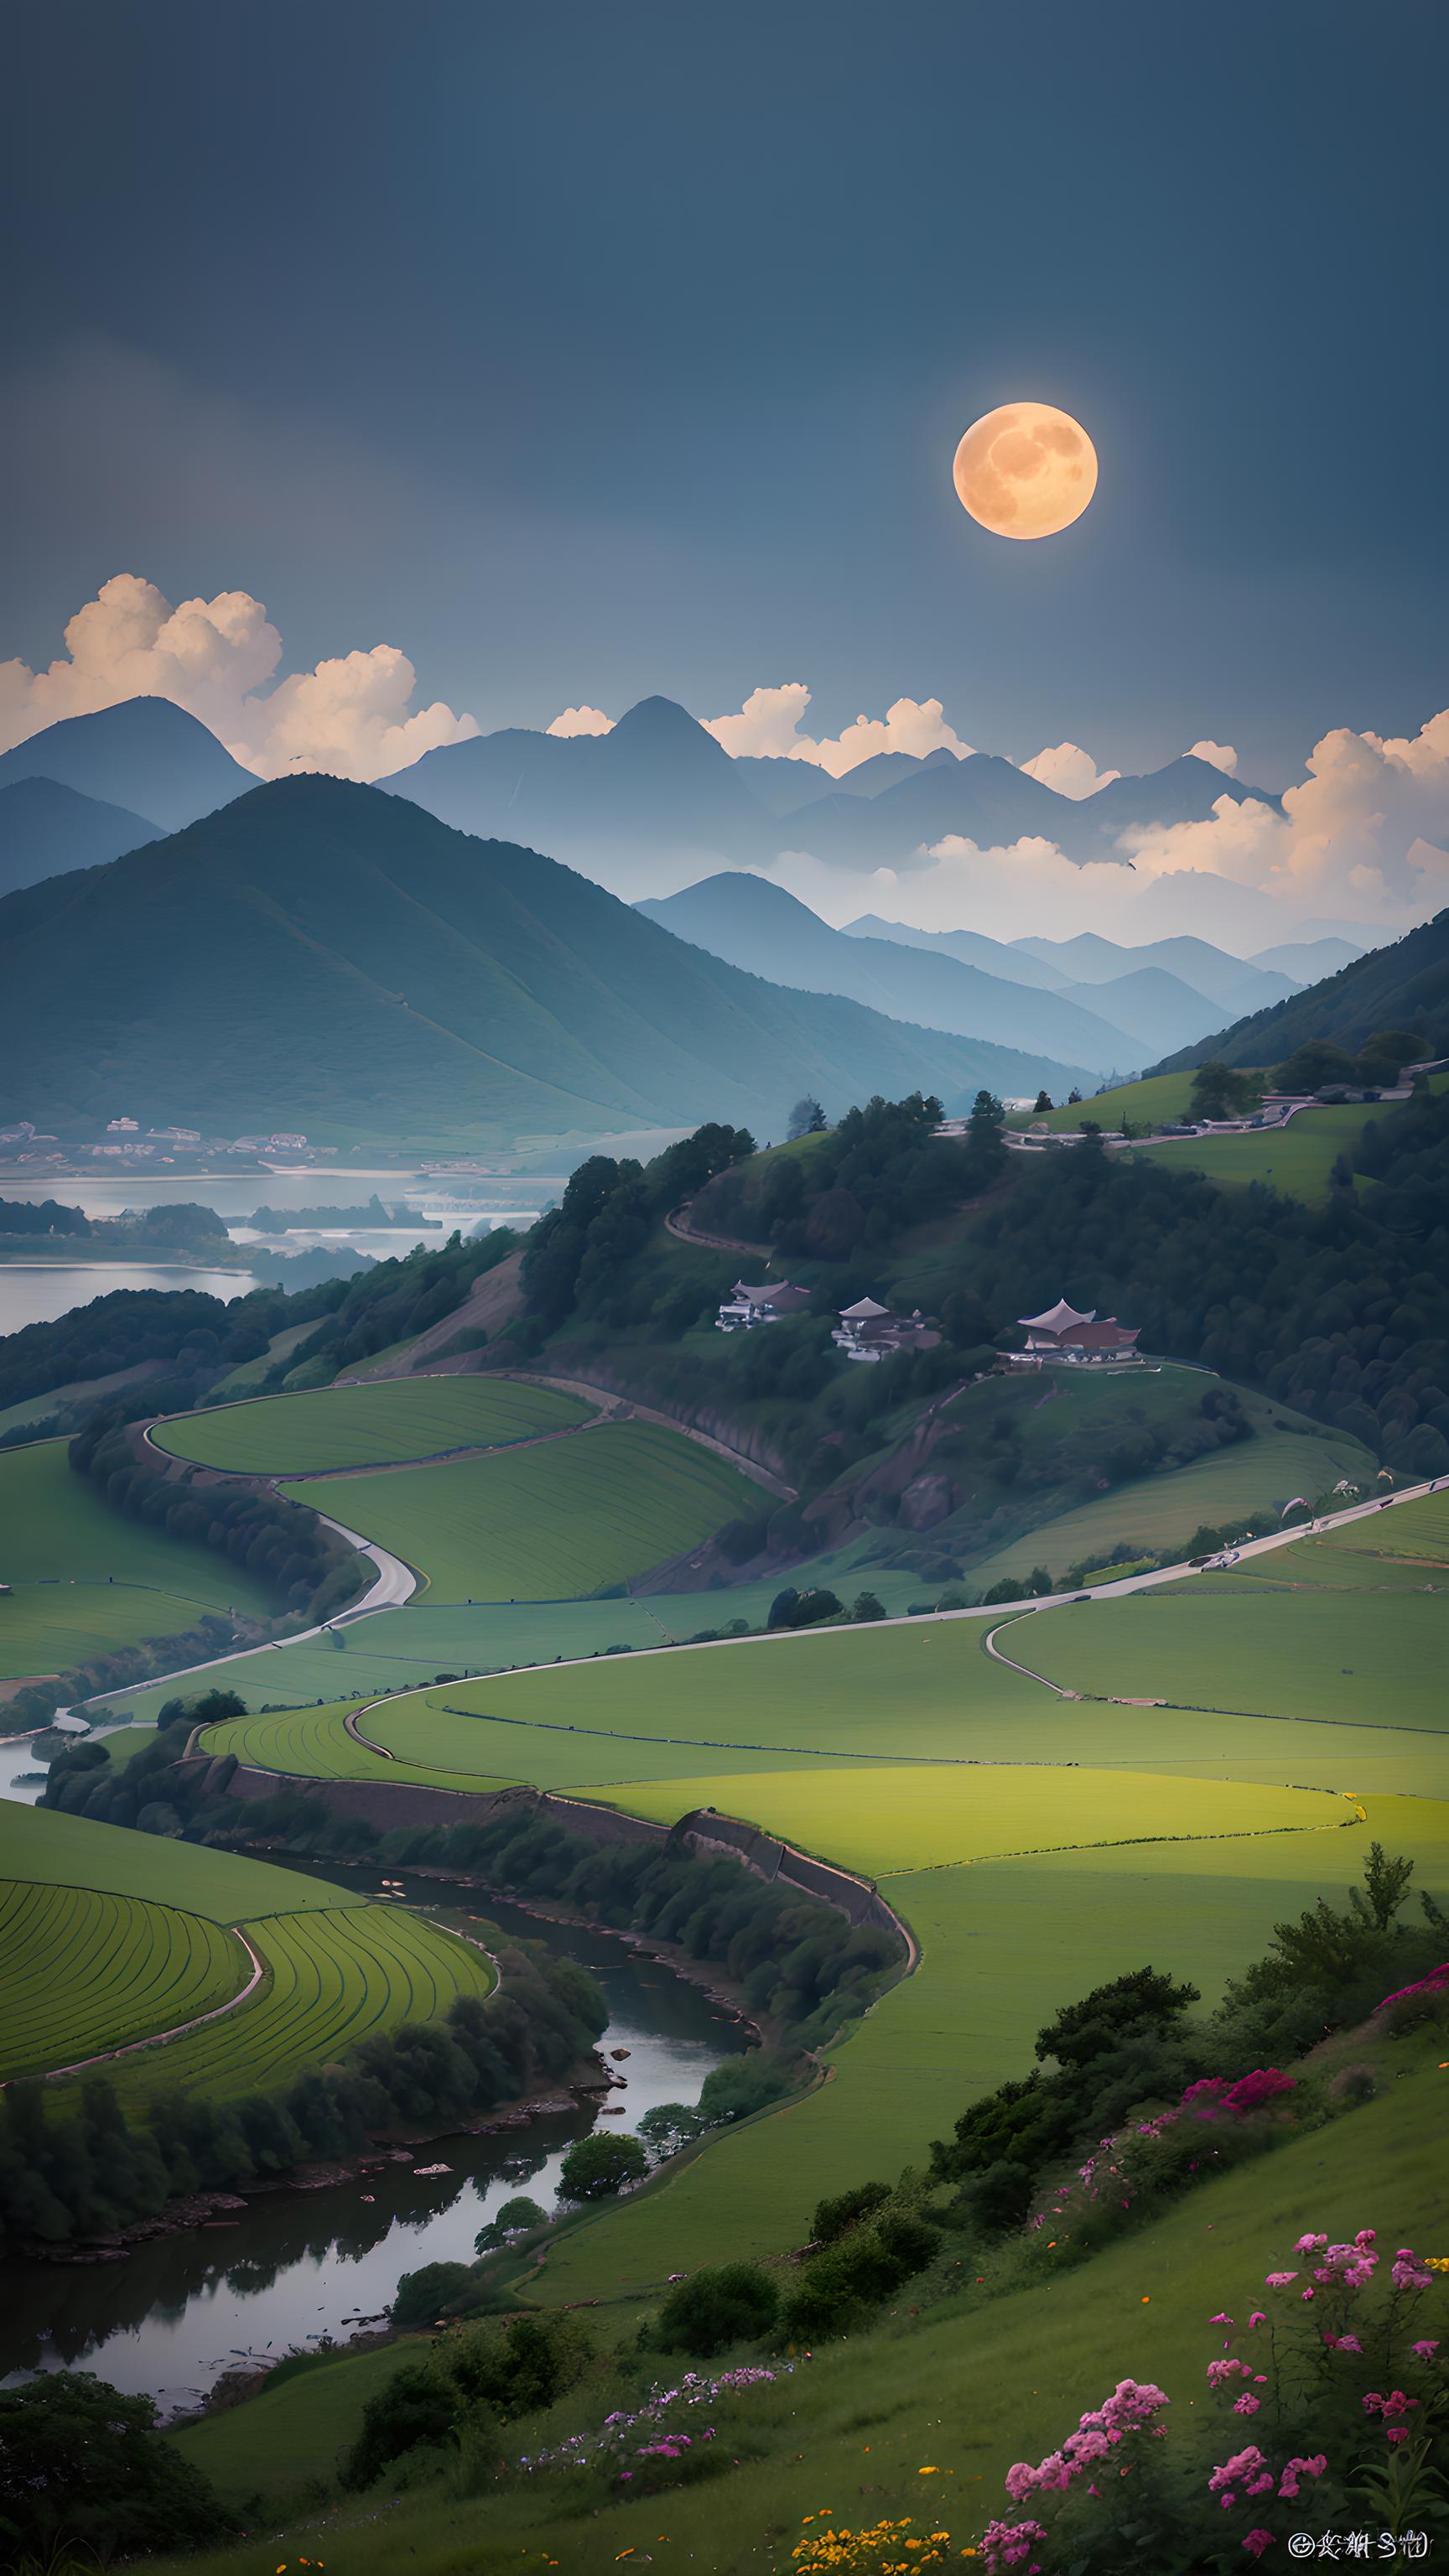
[367, 1426]
[326, 953]
[1402, 986]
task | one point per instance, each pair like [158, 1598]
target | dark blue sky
[587, 351]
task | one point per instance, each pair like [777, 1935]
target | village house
[1064, 1338]
[868, 1331]
[745, 1307]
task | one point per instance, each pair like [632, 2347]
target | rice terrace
[724, 1296]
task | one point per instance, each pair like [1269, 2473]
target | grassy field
[965, 2389]
[544, 1523]
[110, 1935]
[368, 1426]
[88, 1971]
[244, 1381]
[71, 1851]
[1297, 1159]
[1163, 1095]
[1163, 1510]
[84, 1579]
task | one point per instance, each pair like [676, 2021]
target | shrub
[80, 2463]
[531, 2362]
[833, 2217]
[418, 2405]
[730, 2303]
[598, 2166]
[421, 2295]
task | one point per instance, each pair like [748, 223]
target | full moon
[1025, 470]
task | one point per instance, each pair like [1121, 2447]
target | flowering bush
[670, 2436]
[1345, 2399]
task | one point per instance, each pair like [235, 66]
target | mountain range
[1402, 986]
[145, 755]
[46, 828]
[323, 955]
[1113, 1021]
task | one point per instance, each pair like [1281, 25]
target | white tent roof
[864, 1311]
[1058, 1317]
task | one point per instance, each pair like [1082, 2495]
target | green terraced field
[1372, 1659]
[1297, 1159]
[544, 1523]
[85, 1579]
[333, 1978]
[72, 1851]
[1163, 1095]
[363, 1426]
[86, 1972]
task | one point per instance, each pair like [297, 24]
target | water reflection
[296, 2266]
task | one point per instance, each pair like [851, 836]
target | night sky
[584, 352]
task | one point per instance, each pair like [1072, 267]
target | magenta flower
[1349, 2343]
[1309, 2244]
[1258, 2541]
[1279, 2280]
[1246, 2405]
[1425, 2351]
[1259, 2317]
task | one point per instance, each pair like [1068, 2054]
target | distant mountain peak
[661, 721]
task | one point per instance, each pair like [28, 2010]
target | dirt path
[677, 1223]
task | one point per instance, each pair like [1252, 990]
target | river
[174, 2314]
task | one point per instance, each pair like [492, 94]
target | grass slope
[1297, 1159]
[368, 1426]
[84, 1578]
[72, 1851]
[966, 2389]
[544, 1523]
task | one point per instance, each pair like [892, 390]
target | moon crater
[1025, 470]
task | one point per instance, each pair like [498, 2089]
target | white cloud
[1070, 770]
[581, 720]
[1221, 755]
[353, 716]
[1004, 891]
[767, 728]
[1366, 833]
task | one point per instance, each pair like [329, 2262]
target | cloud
[767, 728]
[581, 720]
[1070, 770]
[1221, 755]
[1365, 833]
[1004, 891]
[353, 717]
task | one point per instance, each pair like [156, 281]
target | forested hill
[324, 955]
[1405, 986]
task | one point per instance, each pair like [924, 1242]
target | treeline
[269, 1220]
[44, 1216]
[124, 1667]
[86, 2171]
[308, 1566]
[579, 1252]
[394, 1300]
[1341, 1310]
[799, 1961]
[858, 1187]
[193, 1335]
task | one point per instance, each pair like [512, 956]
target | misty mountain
[994, 956]
[326, 956]
[46, 828]
[783, 786]
[657, 788]
[1307, 961]
[760, 927]
[1403, 986]
[1226, 981]
[146, 755]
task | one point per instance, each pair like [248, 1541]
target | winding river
[297, 2266]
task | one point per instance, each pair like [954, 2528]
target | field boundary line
[1129, 1842]
[158, 2038]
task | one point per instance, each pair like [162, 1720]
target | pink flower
[1365, 2236]
[1309, 2244]
[1258, 2541]
[1259, 2317]
[1220, 2372]
[1408, 2272]
[1400, 2434]
[1221, 2319]
[1425, 2351]
[1279, 2280]
[1307, 2294]
[1006, 2544]
[1246, 2405]
[1349, 2343]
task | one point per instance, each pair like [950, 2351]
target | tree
[807, 1118]
[1385, 1887]
[419, 2404]
[667, 2126]
[1042, 1103]
[728, 2303]
[80, 2463]
[515, 2218]
[846, 2209]
[1096, 2025]
[599, 2166]
[1316, 1065]
[868, 1606]
[1073, 1096]
[420, 2296]
[1219, 1092]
